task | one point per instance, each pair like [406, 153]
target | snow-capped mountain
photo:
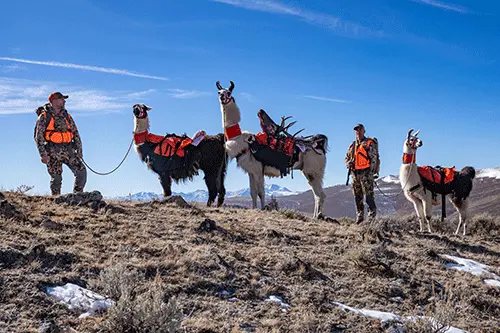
[202, 195]
[489, 173]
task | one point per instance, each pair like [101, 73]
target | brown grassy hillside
[215, 268]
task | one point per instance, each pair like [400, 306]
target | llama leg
[462, 208]
[211, 182]
[260, 190]
[420, 212]
[221, 190]
[253, 190]
[166, 183]
[427, 209]
[316, 184]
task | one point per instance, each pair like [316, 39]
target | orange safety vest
[361, 160]
[51, 135]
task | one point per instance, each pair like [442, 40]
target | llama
[419, 190]
[208, 155]
[311, 159]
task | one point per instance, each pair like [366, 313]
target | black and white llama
[422, 191]
[181, 162]
[311, 158]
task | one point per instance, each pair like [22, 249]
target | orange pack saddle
[169, 145]
[437, 179]
[276, 151]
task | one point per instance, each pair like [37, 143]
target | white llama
[311, 161]
[416, 188]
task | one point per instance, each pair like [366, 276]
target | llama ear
[409, 133]
[217, 84]
[416, 133]
[231, 86]
[147, 108]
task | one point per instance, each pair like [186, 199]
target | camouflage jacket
[372, 151]
[60, 125]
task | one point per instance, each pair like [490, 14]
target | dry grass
[181, 268]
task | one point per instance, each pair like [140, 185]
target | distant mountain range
[339, 202]
[202, 195]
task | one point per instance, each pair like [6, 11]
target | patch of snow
[78, 298]
[469, 266]
[473, 267]
[489, 173]
[382, 316]
[390, 179]
[389, 316]
[277, 299]
[492, 282]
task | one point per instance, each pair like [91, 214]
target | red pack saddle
[281, 144]
[434, 175]
[169, 146]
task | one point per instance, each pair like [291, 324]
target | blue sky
[392, 65]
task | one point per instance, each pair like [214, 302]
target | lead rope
[119, 165]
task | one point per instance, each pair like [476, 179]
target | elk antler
[284, 128]
[231, 87]
[218, 85]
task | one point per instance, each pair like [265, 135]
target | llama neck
[410, 158]
[141, 127]
[231, 117]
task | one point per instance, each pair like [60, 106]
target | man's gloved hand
[375, 176]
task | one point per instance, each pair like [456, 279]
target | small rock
[49, 327]
[177, 199]
[207, 226]
[49, 224]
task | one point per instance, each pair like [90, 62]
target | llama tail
[468, 172]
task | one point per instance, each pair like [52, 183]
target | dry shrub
[137, 310]
[376, 261]
[272, 205]
[484, 224]
[118, 280]
[293, 214]
[437, 322]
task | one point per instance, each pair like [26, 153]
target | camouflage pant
[60, 154]
[362, 184]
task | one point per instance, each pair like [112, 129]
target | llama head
[412, 142]
[266, 123]
[141, 110]
[225, 95]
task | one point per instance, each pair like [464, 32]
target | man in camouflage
[58, 143]
[362, 159]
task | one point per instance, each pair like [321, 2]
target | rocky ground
[171, 266]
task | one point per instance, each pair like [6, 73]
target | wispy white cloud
[23, 96]
[446, 6]
[186, 94]
[249, 97]
[84, 67]
[331, 22]
[12, 68]
[141, 94]
[327, 99]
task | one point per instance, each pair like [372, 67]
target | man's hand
[45, 159]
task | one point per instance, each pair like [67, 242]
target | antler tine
[283, 120]
[293, 136]
[289, 125]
